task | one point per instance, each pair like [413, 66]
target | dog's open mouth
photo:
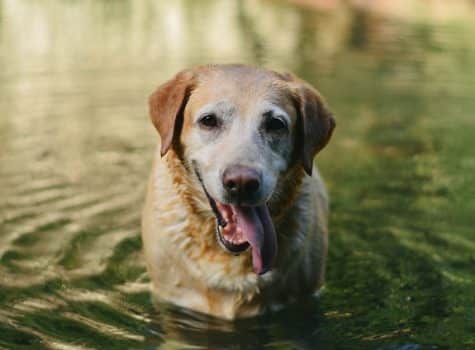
[228, 234]
[239, 227]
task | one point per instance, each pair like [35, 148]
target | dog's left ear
[317, 124]
[316, 121]
[167, 105]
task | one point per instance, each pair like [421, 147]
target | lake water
[76, 147]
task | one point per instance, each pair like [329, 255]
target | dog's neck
[201, 227]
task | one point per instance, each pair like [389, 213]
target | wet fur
[188, 267]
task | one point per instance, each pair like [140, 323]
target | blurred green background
[76, 147]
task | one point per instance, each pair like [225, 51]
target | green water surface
[76, 146]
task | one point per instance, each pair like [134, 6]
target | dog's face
[239, 130]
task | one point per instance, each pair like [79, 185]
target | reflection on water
[76, 145]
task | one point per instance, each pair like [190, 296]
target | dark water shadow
[296, 327]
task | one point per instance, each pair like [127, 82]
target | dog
[235, 215]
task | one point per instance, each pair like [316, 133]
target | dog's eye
[209, 121]
[275, 124]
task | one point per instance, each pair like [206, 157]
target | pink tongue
[258, 230]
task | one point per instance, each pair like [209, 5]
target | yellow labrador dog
[235, 218]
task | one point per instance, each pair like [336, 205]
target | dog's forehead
[244, 89]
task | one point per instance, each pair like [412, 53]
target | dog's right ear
[166, 106]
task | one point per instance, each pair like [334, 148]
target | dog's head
[239, 130]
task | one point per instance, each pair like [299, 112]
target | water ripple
[76, 146]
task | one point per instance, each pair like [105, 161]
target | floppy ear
[316, 121]
[317, 124]
[166, 107]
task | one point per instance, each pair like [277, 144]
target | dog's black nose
[241, 181]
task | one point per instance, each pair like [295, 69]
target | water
[76, 147]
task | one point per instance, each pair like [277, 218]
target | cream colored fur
[187, 266]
